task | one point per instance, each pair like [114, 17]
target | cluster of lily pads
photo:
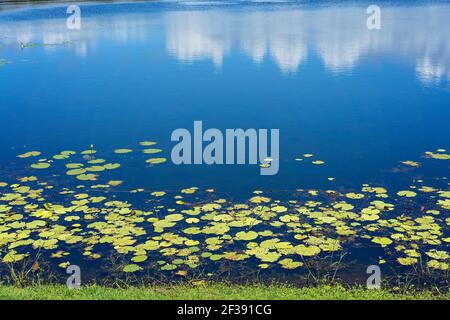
[308, 156]
[182, 231]
[90, 169]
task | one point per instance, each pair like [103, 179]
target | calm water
[360, 100]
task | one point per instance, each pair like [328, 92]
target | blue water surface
[361, 100]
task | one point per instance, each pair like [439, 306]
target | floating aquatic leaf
[156, 160]
[438, 255]
[288, 263]
[12, 257]
[383, 241]
[444, 194]
[68, 152]
[64, 265]
[343, 206]
[122, 151]
[115, 183]
[355, 196]
[111, 166]
[151, 151]
[182, 273]
[174, 217]
[74, 165]
[259, 199]
[147, 143]
[89, 152]
[191, 242]
[95, 169]
[406, 193]
[268, 256]
[279, 209]
[247, 236]
[60, 157]
[427, 189]
[29, 154]
[411, 163]
[40, 165]
[438, 156]
[96, 161]
[75, 172]
[435, 264]
[132, 268]
[189, 190]
[87, 177]
[407, 261]
[307, 250]
[138, 259]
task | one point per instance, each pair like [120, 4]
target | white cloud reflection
[190, 37]
[338, 36]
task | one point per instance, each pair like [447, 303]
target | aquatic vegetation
[355, 196]
[407, 261]
[407, 193]
[29, 154]
[180, 231]
[147, 143]
[87, 177]
[123, 151]
[151, 151]
[439, 155]
[131, 268]
[115, 183]
[40, 165]
[190, 190]
[156, 160]
[411, 163]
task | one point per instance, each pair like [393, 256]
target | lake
[363, 116]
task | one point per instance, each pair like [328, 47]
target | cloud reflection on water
[337, 35]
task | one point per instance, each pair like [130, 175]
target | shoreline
[220, 291]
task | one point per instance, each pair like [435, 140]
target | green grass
[213, 291]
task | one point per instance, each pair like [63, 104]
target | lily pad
[156, 160]
[406, 193]
[247, 236]
[147, 143]
[151, 151]
[29, 154]
[40, 165]
[122, 151]
[131, 268]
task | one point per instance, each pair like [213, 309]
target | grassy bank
[216, 291]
